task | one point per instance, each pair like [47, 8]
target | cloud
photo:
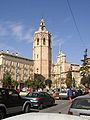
[16, 30]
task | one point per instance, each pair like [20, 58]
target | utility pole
[60, 64]
[60, 70]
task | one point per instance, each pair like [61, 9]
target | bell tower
[42, 54]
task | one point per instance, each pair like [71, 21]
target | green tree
[69, 79]
[39, 81]
[7, 80]
[86, 81]
[48, 82]
[84, 70]
[14, 83]
[29, 83]
[73, 82]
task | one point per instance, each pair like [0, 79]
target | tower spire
[42, 25]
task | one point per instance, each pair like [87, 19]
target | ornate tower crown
[42, 25]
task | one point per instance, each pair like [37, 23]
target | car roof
[83, 96]
[6, 89]
[45, 116]
[38, 92]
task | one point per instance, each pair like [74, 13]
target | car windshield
[32, 95]
[81, 104]
[63, 91]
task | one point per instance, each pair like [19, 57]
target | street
[61, 106]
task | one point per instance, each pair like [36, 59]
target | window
[37, 41]
[37, 55]
[43, 41]
[49, 41]
[37, 70]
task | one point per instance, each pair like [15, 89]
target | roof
[15, 56]
[83, 96]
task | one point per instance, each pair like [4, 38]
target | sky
[19, 19]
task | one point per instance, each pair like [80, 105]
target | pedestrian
[70, 94]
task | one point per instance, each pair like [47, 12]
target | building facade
[42, 51]
[20, 68]
[61, 68]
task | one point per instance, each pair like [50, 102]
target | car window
[81, 104]
[63, 92]
[32, 95]
[12, 93]
[41, 94]
[0, 94]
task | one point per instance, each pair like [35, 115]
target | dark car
[40, 99]
[12, 102]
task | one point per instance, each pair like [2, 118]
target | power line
[75, 23]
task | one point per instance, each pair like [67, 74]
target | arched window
[37, 41]
[49, 41]
[37, 70]
[43, 41]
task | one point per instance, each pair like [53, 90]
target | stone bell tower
[42, 51]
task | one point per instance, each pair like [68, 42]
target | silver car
[80, 106]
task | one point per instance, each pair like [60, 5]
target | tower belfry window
[37, 41]
[37, 70]
[43, 41]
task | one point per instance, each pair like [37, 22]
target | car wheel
[40, 106]
[27, 108]
[2, 114]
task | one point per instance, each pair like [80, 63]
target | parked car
[45, 116]
[12, 102]
[40, 99]
[63, 94]
[80, 106]
[55, 95]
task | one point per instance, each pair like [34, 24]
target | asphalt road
[60, 106]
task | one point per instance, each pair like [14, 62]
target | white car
[80, 106]
[44, 116]
[63, 95]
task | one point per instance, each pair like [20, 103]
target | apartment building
[20, 68]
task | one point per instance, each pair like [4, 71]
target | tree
[84, 70]
[29, 83]
[14, 83]
[48, 82]
[7, 80]
[69, 79]
[39, 81]
[73, 82]
[86, 81]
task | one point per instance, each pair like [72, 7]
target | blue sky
[19, 19]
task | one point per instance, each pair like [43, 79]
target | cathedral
[23, 68]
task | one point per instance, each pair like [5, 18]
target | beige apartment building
[20, 68]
